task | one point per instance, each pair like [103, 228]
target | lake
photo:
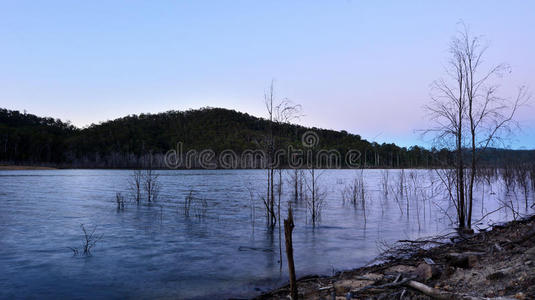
[156, 251]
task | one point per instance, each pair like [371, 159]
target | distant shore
[13, 167]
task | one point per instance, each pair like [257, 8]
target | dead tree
[288, 229]
[522, 174]
[119, 199]
[135, 182]
[151, 183]
[316, 197]
[490, 117]
[296, 182]
[269, 145]
[90, 240]
[468, 114]
[283, 113]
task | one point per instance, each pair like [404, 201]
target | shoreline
[15, 167]
[64, 167]
[495, 264]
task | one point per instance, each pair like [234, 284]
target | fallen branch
[396, 283]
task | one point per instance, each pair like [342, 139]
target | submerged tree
[280, 114]
[151, 183]
[135, 184]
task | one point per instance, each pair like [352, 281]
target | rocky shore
[495, 264]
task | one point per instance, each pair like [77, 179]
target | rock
[462, 260]
[400, 269]
[520, 296]
[528, 263]
[496, 275]
[373, 276]
[530, 253]
[423, 272]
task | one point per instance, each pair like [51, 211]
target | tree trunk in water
[288, 228]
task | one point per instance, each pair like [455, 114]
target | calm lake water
[155, 251]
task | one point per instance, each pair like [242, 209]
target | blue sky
[365, 67]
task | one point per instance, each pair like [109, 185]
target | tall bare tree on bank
[469, 114]
[490, 116]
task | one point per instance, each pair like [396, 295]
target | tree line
[126, 142]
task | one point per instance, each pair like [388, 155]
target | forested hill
[121, 143]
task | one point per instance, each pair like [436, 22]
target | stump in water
[288, 228]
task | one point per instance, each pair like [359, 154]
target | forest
[26, 139]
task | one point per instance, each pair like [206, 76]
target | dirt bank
[495, 264]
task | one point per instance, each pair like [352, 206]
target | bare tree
[90, 240]
[283, 113]
[296, 182]
[151, 183]
[269, 145]
[135, 182]
[197, 205]
[522, 177]
[119, 199]
[469, 114]
[316, 197]
[279, 114]
[385, 174]
[447, 110]
[490, 116]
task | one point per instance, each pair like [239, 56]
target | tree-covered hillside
[123, 142]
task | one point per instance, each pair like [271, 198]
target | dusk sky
[365, 67]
